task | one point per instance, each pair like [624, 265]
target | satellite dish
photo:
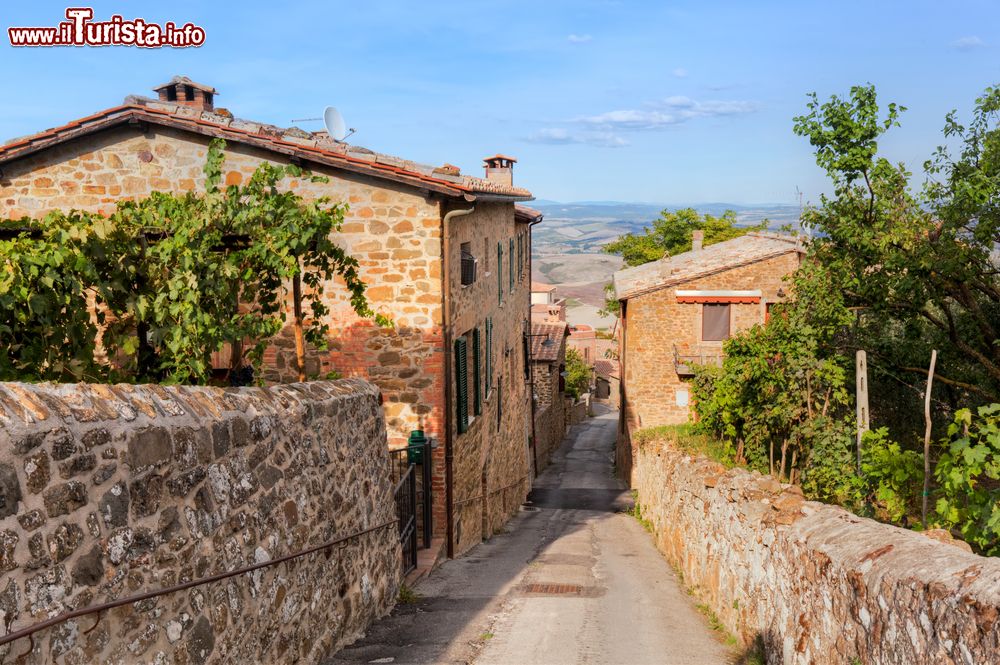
[335, 125]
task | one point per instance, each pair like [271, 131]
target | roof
[606, 367]
[293, 143]
[542, 331]
[542, 287]
[183, 80]
[525, 214]
[721, 256]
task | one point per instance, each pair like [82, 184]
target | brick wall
[111, 491]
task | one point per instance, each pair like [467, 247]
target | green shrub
[969, 475]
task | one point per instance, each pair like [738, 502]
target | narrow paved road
[575, 580]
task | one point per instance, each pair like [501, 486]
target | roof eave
[121, 115]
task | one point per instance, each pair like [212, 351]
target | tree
[577, 374]
[918, 266]
[672, 234]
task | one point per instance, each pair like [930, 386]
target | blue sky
[673, 102]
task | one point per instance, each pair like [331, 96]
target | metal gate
[411, 473]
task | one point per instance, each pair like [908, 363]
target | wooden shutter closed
[499, 273]
[510, 270]
[524, 356]
[489, 355]
[461, 386]
[477, 390]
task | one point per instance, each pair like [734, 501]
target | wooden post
[861, 379]
[300, 346]
[927, 438]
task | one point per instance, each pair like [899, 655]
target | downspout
[448, 416]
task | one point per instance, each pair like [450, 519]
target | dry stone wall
[815, 583]
[111, 491]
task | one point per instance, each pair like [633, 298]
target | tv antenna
[336, 128]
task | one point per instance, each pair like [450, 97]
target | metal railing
[411, 473]
[29, 631]
[684, 363]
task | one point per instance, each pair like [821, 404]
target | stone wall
[577, 412]
[655, 322]
[549, 432]
[812, 582]
[394, 231]
[490, 468]
[110, 491]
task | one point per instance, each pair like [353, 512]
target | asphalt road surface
[574, 580]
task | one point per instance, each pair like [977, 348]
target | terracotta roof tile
[751, 248]
[606, 367]
[291, 142]
[547, 331]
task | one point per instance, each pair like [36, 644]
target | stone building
[445, 255]
[677, 312]
[547, 350]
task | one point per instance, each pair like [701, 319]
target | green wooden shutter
[499, 403]
[489, 355]
[524, 356]
[462, 386]
[510, 270]
[499, 273]
[477, 391]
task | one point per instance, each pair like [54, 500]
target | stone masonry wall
[110, 491]
[491, 459]
[656, 322]
[815, 583]
[393, 231]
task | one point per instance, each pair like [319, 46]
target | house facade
[547, 351]
[677, 312]
[451, 365]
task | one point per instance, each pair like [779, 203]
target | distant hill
[583, 227]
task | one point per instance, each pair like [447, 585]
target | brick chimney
[500, 169]
[697, 239]
[182, 90]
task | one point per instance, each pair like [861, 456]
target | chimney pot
[697, 240]
[184, 91]
[500, 169]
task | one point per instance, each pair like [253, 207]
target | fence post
[861, 378]
[927, 439]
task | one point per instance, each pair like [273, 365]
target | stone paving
[575, 580]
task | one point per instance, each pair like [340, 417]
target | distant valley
[567, 244]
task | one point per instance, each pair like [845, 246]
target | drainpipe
[448, 416]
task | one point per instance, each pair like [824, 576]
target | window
[525, 352]
[499, 404]
[476, 378]
[461, 385]
[510, 270]
[468, 264]
[499, 273]
[714, 322]
[489, 356]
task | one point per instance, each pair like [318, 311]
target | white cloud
[579, 39]
[680, 72]
[670, 111]
[968, 43]
[561, 136]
